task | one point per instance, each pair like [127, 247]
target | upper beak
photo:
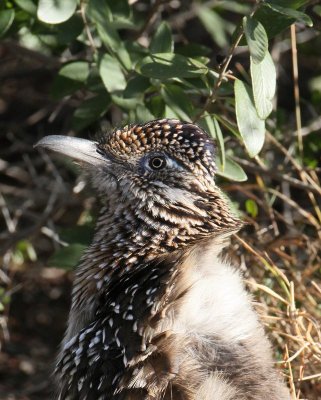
[79, 149]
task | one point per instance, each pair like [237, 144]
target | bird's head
[163, 169]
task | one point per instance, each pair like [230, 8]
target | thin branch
[296, 88]
[224, 69]
[87, 29]
[150, 18]
[222, 74]
[260, 169]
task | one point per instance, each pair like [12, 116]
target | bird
[158, 311]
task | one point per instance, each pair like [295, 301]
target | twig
[87, 29]
[275, 175]
[222, 74]
[303, 175]
[296, 88]
[150, 18]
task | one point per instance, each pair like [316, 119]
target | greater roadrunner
[156, 311]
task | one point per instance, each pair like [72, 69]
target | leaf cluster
[112, 57]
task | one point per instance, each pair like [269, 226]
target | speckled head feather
[185, 141]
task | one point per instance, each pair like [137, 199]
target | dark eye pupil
[157, 163]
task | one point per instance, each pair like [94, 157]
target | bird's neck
[139, 247]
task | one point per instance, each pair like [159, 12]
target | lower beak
[79, 149]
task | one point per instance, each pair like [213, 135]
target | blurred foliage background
[249, 72]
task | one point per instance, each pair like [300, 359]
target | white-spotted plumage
[157, 313]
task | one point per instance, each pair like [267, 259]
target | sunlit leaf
[56, 11]
[264, 85]
[111, 74]
[251, 207]
[231, 170]
[27, 5]
[256, 38]
[251, 127]
[212, 126]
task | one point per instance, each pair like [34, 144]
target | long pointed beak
[79, 149]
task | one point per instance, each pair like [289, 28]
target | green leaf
[281, 20]
[168, 65]
[99, 12]
[121, 14]
[136, 87]
[126, 103]
[56, 11]
[199, 85]
[142, 114]
[264, 85]
[256, 38]
[75, 70]
[62, 87]
[67, 257]
[28, 6]
[111, 74]
[231, 127]
[317, 10]
[295, 4]
[81, 234]
[251, 127]
[70, 78]
[68, 31]
[265, 15]
[231, 170]
[290, 13]
[119, 8]
[157, 106]
[162, 41]
[112, 41]
[251, 208]
[90, 110]
[214, 24]
[6, 20]
[212, 126]
[236, 7]
[193, 50]
[27, 249]
[178, 102]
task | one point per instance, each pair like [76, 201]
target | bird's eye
[157, 163]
